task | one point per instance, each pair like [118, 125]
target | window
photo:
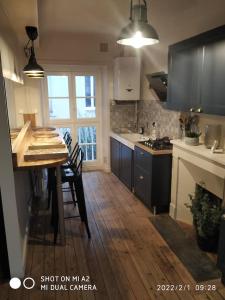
[73, 101]
[87, 142]
[58, 97]
[85, 96]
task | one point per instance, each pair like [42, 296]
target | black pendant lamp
[32, 69]
[138, 32]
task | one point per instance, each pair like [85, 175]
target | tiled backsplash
[123, 116]
[167, 121]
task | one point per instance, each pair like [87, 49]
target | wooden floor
[126, 258]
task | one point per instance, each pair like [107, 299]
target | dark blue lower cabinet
[126, 166]
[152, 179]
[122, 162]
[115, 156]
[142, 186]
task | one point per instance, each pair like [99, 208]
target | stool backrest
[77, 167]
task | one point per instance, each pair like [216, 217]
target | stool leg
[51, 174]
[72, 192]
[81, 202]
[55, 215]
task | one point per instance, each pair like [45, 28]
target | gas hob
[158, 144]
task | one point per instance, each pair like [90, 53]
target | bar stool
[72, 154]
[72, 176]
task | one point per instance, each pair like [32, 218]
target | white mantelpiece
[191, 165]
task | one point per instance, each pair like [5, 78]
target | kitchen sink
[134, 137]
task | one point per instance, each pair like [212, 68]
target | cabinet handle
[141, 177]
[199, 110]
[129, 90]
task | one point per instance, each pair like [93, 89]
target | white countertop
[129, 139]
[201, 151]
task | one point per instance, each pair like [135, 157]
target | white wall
[13, 201]
[28, 100]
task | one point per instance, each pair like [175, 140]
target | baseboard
[172, 212]
[102, 167]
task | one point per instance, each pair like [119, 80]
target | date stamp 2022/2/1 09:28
[185, 287]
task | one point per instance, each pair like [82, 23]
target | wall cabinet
[122, 162]
[152, 179]
[196, 72]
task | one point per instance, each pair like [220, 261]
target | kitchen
[115, 101]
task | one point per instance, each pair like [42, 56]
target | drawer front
[142, 185]
[143, 159]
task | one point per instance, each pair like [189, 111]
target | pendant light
[32, 69]
[138, 32]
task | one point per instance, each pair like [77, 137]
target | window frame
[73, 122]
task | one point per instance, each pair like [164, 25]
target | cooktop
[158, 144]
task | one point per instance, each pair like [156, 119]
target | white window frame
[73, 122]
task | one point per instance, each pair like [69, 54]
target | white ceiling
[20, 13]
[108, 16]
[173, 19]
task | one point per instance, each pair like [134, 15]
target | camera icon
[28, 283]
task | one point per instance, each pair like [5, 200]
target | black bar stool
[73, 176]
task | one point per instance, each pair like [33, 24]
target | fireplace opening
[207, 211]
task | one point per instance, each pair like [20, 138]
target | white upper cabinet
[127, 72]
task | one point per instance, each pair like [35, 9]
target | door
[213, 88]
[73, 103]
[183, 79]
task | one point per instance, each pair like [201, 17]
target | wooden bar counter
[27, 154]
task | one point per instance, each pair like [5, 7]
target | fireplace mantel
[191, 165]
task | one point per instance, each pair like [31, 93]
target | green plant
[207, 212]
[189, 124]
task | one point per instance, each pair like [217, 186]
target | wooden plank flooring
[126, 258]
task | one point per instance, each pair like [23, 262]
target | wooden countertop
[47, 163]
[132, 143]
[20, 146]
[153, 152]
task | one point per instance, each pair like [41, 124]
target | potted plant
[192, 138]
[207, 212]
[189, 127]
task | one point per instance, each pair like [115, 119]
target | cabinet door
[213, 76]
[115, 156]
[183, 78]
[142, 185]
[143, 159]
[126, 166]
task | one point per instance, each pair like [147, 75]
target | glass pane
[86, 108]
[58, 86]
[59, 108]
[87, 142]
[85, 86]
[63, 130]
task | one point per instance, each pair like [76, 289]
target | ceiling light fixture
[138, 32]
[32, 69]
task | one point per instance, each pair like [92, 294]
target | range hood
[158, 82]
